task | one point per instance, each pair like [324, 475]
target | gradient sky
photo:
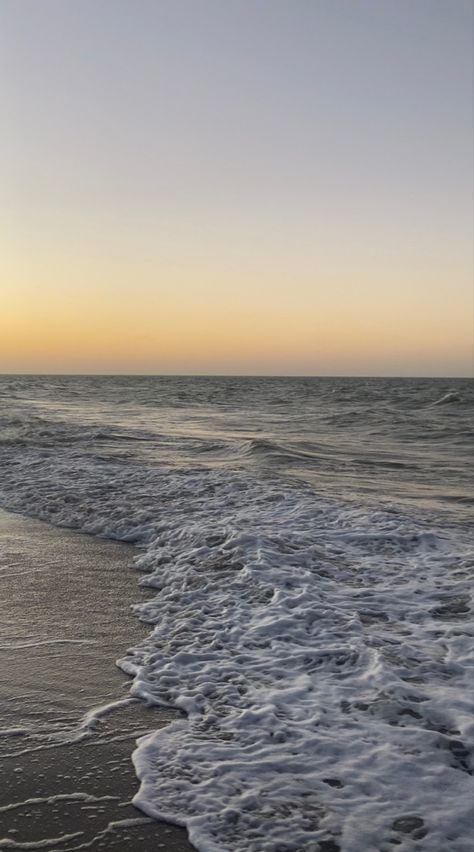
[236, 186]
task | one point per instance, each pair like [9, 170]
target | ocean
[307, 544]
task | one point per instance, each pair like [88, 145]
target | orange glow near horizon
[206, 328]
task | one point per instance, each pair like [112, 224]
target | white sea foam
[86, 798]
[93, 716]
[46, 843]
[320, 652]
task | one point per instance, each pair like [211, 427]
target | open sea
[307, 543]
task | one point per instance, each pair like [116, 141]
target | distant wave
[262, 448]
[448, 398]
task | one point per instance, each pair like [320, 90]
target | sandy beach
[68, 784]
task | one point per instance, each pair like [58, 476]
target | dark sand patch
[65, 619]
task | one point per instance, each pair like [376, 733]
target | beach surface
[67, 775]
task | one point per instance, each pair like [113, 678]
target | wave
[319, 650]
[448, 398]
[269, 450]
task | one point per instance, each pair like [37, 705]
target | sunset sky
[236, 186]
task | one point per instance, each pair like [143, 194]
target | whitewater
[308, 550]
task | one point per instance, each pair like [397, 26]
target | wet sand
[65, 618]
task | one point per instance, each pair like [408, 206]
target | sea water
[308, 545]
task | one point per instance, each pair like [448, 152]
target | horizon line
[233, 375]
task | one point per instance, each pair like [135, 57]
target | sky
[236, 187]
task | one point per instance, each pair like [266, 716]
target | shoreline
[66, 619]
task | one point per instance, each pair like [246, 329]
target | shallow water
[67, 724]
[308, 542]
